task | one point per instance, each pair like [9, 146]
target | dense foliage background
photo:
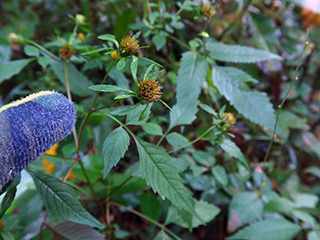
[213, 167]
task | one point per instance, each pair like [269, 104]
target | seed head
[66, 52]
[208, 11]
[128, 46]
[150, 90]
[229, 120]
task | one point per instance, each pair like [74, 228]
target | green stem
[235, 20]
[180, 42]
[163, 136]
[280, 108]
[118, 187]
[194, 141]
[147, 218]
[44, 50]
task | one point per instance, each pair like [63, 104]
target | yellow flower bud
[208, 11]
[81, 36]
[114, 55]
[229, 120]
[15, 39]
[80, 19]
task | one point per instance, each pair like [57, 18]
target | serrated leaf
[31, 51]
[279, 229]
[236, 53]
[78, 82]
[162, 176]
[246, 207]
[220, 175]
[236, 74]
[152, 128]
[61, 201]
[133, 117]
[231, 148]
[206, 211]
[74, 231]
[9, 69]
[162, 236]
[109, 37]
[191, 75]
[254, 105]
[108, 88]
[114, 148]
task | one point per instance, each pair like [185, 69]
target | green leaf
[177, 140]
[43, 61]
[151, 61]
[206, 211]
[31, 51]
[109, 37]
[245, 207]
[160, 39]
[255, 106]
[152, 128]
[162, 176]
[108, 88]
[150, 206]
[315, 171]
[231, 148]
[235, 74]
[279, 229]
[208, 109]
[236, 53]
[279, 205]
[314, 235]
[9, 69]
[220, 175]
[114, 148]
[7, 200]
[119, 78]
[134, 68]
[61, 201]
[162, 235]
[133, 117]
[121, 27]
[191, 75]
[78, 82]
[6, 235]
[125, 96]
[121, 111]
[121, 64]
[148, 71]
[97, 50]
[70, 230]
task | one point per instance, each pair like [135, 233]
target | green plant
[176, 125]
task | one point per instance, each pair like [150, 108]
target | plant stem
[280, 108]
[44, 50]
[118, 187]
[180, 42]
[147, 218]
[163, 136]
[197, 139]
[244, 9]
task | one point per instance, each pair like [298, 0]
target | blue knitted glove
[31, 126]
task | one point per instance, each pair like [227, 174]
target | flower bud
[207, 11]
[149, 90]
[114, 55]
[15, 39]
[80, 19]
[229, 120]
[81, 36]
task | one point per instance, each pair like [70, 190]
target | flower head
[229, 120]
[80, 19]
[66, 52]
[150, 90]
[128, 46]
[81, 36]
[208, 11]
[15, 39]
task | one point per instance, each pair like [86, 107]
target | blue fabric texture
[30, 129]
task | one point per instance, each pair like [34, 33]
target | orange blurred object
[310, 19]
